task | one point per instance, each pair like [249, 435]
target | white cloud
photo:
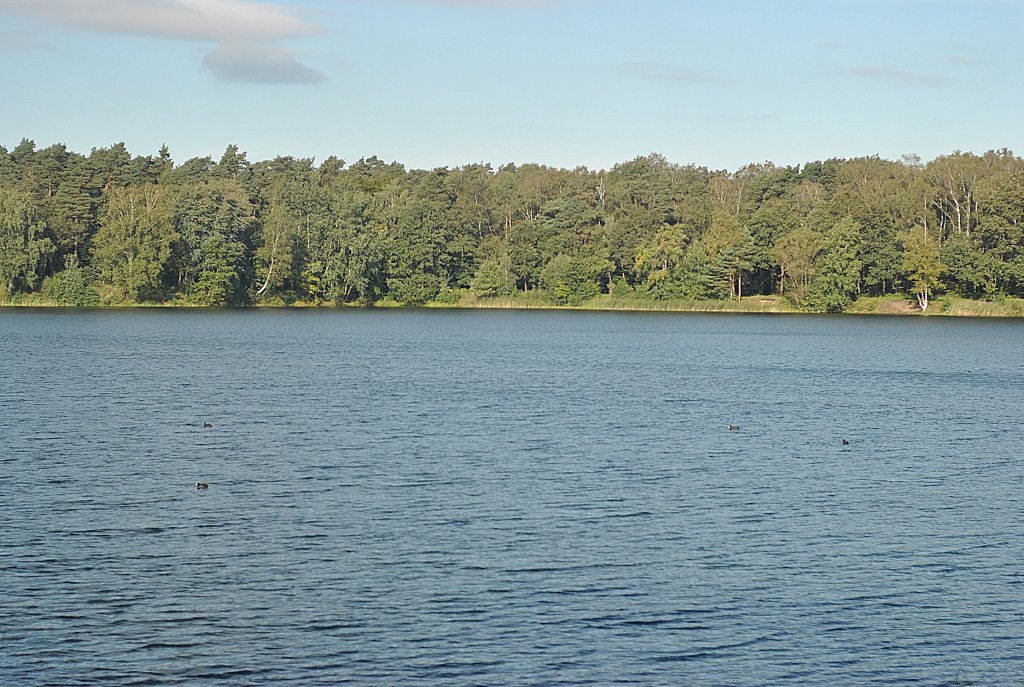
[230, 23]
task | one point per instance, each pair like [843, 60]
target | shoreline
[1007, 308]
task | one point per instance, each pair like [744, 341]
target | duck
[207, 424]
[845, 442]
[202, 485]
[733, 428]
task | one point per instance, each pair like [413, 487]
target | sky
[431, 83]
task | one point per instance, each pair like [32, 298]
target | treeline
[109, 227]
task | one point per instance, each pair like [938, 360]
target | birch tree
[922, 264]
[134, 241]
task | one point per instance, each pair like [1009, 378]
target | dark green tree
[837, 271]
[214, 221]
[24, 250]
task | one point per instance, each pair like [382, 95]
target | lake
[421, 497]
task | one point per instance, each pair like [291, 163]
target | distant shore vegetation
[841, 235]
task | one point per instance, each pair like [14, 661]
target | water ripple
[431, 498]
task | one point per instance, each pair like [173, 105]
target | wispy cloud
[963, 61]
[17, 41]
[901, 76]
[485, 3]
[258, 26]
[667, 72]
[258, 64]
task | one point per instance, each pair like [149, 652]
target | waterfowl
[202, 485]
[207, 424]
[845, 442]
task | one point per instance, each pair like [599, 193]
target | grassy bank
[35, 300]
[950, 306]
[754, 304]
[894, 305]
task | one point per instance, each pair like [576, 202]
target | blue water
[509, 498]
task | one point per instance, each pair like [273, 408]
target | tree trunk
[270, 271]
[266, 282]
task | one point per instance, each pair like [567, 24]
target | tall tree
[73, 210]
[133, 244]
[837, 271]
[732, 248]
[658, 257]
[921, 261]
[274, 256]
[23, 248]
[214, 221]
[795, 253]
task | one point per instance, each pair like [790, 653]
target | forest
[110, 228]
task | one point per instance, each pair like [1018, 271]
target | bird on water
[733, 428]
[207, 424]
[202, 485]
[845, 442]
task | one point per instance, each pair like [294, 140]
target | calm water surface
[509, 498]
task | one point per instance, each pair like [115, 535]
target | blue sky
[562, 82]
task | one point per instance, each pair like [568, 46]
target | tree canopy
[110, 227]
